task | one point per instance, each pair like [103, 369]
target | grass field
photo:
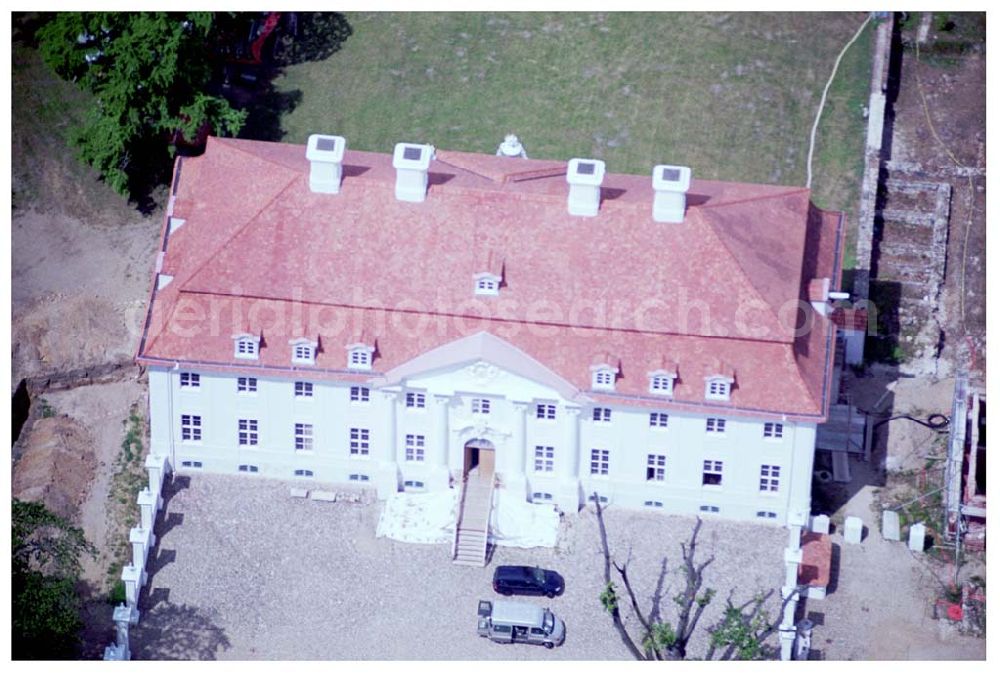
[731, 95]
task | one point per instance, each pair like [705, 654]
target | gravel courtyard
[244, 571]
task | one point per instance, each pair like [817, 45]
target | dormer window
[246, 346]
[603, 378]
[719, 379]
[717, 388]
[487, 284]
[303, 352]
[661, 382]
[661, 385]
[359, 357]
[603, 371]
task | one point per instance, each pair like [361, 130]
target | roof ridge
[507, 320]
[751, 199]
[708, 224]
[211, 258]
[237, 147]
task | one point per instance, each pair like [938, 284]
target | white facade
[556, 453]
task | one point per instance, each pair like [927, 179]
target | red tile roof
[261, 253]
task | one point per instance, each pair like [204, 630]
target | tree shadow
[177, 632]
[301, 37]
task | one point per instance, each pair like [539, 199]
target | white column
[518, 440]
[155, 465]
[147, 512]
[568, 457]
[130, 576]
[391, 444]
[122, 617]
[138, 537]
[515, 478]
[440, 441]
[387, 479]
[568, 464]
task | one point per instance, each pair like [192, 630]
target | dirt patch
[78, 291]
[101, 411]
[939, 137]
[56, 466]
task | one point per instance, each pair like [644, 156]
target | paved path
[243, 571]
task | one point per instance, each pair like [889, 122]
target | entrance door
[480, 459]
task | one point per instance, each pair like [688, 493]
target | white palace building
[404, 321]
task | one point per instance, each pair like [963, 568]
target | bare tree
[738, 635]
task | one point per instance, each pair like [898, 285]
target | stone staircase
[472, 527]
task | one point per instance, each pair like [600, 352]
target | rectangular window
[359, 441]
[658, 419]
[413, 485]
[415, 448]
[604, 378]
[770, 478]
[711, 474]
[661, 385]
[415, 400]
[773, 430]
[718, 390]
[602, 415]
[480, 406]
[359, 477]
[303, 473]
[599, 461]
[653, 503]
[303, 353]
[190, 380]
[656, 467]
[544, 458]
[360, 394]
[246, 348]
[190, 428]
[248, 468]
[303, 389]
[717, 425]
[191, 463]
[545, 411]
[303, 437]
[603, 499]
[712, 509]
[767, 515]
[247, 431]
[539, 496]
[360, 359]
[246, 385]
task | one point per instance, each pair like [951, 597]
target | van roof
[520, 614]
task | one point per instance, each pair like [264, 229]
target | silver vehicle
[515, 622]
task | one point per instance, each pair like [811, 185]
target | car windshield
[539, 575]
[548, 622]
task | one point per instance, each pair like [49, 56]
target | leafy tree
[149, 73]
[740, 634]
[45, 566]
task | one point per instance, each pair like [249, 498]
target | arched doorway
[480, 458]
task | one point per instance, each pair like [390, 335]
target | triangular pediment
[480, 352]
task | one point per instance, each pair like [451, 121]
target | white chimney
[411, 163]
[671, 184]
[326, 157]
[584, 177]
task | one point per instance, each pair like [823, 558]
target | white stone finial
[511, 147]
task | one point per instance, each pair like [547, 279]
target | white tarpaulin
[515, 522]
[429, 518]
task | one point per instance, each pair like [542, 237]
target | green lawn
[731, 95]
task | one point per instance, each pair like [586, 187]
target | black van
[527, 581]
